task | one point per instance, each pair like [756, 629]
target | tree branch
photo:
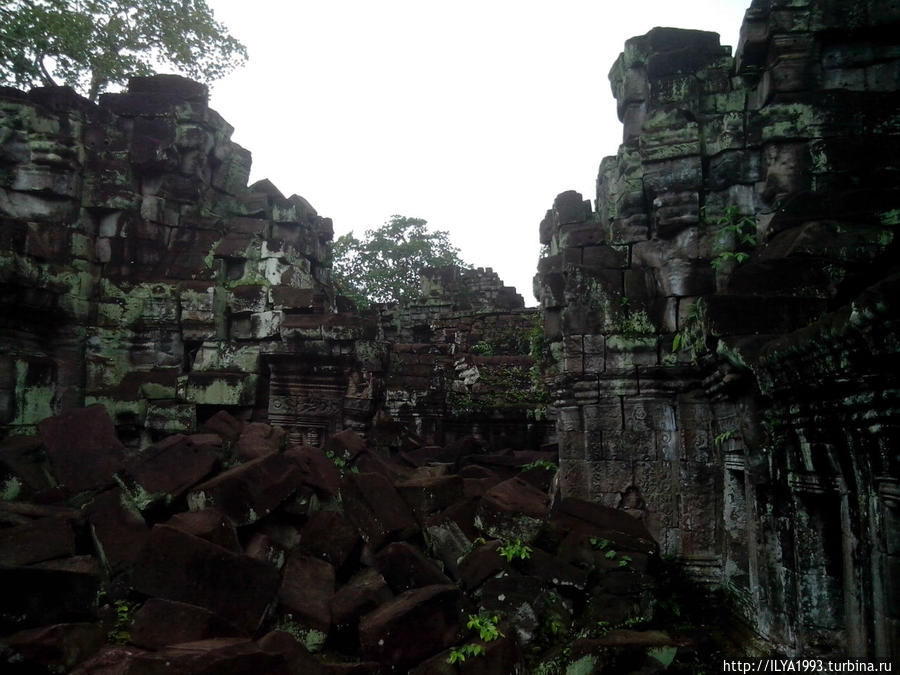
[45, 76]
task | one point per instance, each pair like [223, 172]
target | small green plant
[598, 543]
[610, 554]
[478, 541]
[483, 348]
[515, 550]
[339, 462]
[725, 436]
[624, 560]
[486, 625]
[120, 633]
[555, 625]
[738, 232]
[460, 654]
[539, 464]
[691, 336]
[670, 605]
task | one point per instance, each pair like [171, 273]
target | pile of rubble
[233, 551]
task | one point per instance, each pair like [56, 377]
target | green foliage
[91, 44]
[665, 655]
[384, 266]
[554, 625]
[515, 550]
[460, 654]
[735, 233]
[725, 436]
[501, 387]
[120, 633]
[598, 543]
[10, 489]
[342, 464]
[485, 625]
[483, 348]
[602, 544]
[540, 464]
[692, 336]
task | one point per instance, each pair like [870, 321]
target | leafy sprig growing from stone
[515, 550]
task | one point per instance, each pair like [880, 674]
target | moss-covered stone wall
[139, 271]
[464, 361]
[723, 317]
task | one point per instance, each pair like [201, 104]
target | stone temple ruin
[715, 353]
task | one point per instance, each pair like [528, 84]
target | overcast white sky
[472, 115]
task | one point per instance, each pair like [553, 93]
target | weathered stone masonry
[723, 322]
[140, 272]
[748, 220]
[460, 361]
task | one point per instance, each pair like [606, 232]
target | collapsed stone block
[60, 647]
[181, 567]
[38, 540]
[404, 567]
[307, 590]
[161, 622]
[249, 491]
[376, 508]
[83, 448]
[513, 509]
[42, 597]
[329, 536]
[412, 626]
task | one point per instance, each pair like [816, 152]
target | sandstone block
[41, 539]
[184, 568]
[412, 626]
[329, 536]
[161, 622]
[118, 529]
[166, 470]
[58, 648]
[514, 509]
[376, 508]
[307, 590]
[404, 567]
[430, 494]
[365, 591]
[209, 524]
[316, 470]
[83, 448]
[41, 597]
[249, 491]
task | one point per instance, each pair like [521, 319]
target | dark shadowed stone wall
[724, 320]
[461, 362]
[138, 270]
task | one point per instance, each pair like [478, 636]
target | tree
[385, 264]
[90, 44]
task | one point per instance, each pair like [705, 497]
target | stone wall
[724, 320]
[138, 270]
[460, 361]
